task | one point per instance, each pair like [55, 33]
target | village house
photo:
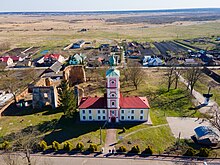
[76, 59]
[152, 61]
[50, 59]
[6, 61]
[78, 44]
[114, 107]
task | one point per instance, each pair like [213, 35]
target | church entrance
[113, 119]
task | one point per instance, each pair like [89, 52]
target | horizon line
[122, 10]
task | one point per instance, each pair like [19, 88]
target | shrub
[56, 146]
[92, 148]
[5, 145]
[148, 151]
[122, 149]
[190, 152]
[135, 149]
[203, 152]
[79, 146]
[43, 145]
[67, 146]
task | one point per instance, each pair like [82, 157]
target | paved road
[44, 160]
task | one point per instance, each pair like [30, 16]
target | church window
[113, 103]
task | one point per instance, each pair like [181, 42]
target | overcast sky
[93, 5]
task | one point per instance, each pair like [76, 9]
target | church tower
[113, 91]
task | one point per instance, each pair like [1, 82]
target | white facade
[113, 110]
[93, 114]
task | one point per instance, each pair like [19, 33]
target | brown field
[53, 31]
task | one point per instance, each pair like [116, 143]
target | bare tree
[170, 77]
[213, 116]
[136, 75]
[176, 78]
[26, 143]
[193, 75]
[125, 72]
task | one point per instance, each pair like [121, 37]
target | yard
[52, 127]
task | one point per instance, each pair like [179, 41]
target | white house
[113, 107]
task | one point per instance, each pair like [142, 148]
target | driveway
[185, 126]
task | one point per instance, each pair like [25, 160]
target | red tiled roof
[15, 58]
[125, 103]
[56, 56]
[4, 59]
[134, 102]
[93, 103]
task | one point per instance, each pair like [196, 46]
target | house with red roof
[6, 60]
[50, 59]
[113, 106]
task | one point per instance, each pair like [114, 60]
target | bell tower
[113, 91]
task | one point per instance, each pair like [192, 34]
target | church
[113, 107]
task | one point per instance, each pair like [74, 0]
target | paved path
[156, 126]
[110, 140]
[200, 99]
[185, 126]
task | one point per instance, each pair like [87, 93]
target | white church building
[113, 107]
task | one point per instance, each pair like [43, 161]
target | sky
[102, 5]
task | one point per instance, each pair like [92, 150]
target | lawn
[51, 127]
[160, 138]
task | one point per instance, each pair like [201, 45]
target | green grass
[52, 127]
[159, 138]
[11, 124]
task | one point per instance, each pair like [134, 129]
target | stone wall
[74, 74]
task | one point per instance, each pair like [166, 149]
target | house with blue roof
[151, 61]
[76, 59]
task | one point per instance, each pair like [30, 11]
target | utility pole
[101, 135]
